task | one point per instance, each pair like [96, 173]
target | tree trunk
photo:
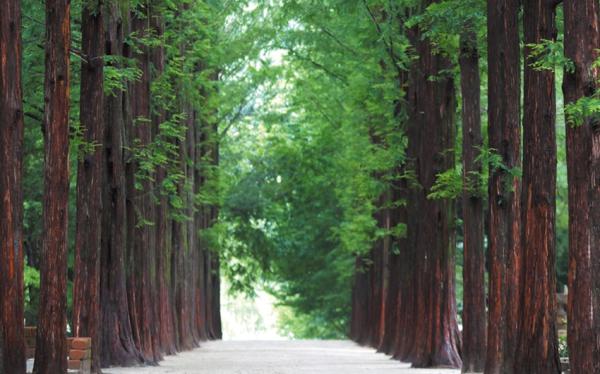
[141, 194]
[360, 290]
[118, 347]
[182, 250]
[199, 223]
[12, 343]
[474, 313]
[192, 230]
[86, 292]
[164, 312]
[435, 336]
[393, 298]
[582, 38]
[537, 345]
[504, 188]
[51, 345]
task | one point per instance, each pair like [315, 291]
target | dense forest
[418, 175]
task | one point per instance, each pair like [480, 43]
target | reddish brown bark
[393, 299]
[192, 229]
[183, 252]
[430, 334]
[216, 326]
[117, 345]
[377, 282]
[200, 223]
[164, 304]
[582, 38]
[143, 239]
[504, 188]
[360, 289]
[474, 312]
[86, 291]
[12, 344]
[216, 264]
[51, 347]
[537, 344]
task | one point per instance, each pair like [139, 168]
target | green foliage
[563, 348]
[31, 278]
[549, 55]
[586, 108]
[311, 145]
[118, 72]
[448, 185]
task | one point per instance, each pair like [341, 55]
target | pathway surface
[280, 357]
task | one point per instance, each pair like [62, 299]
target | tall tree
[118, 347]
[474, 312]
[51, 346]
[582, 38]
[537, 345]
[164, 314]
[435, 335]
[504, 187]
[86, 291]
[141, 194]
[12, 344]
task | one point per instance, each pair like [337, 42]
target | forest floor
[280, 357]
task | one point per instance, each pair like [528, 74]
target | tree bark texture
[117, 345]
[12, 343]
[51, 347]
[537, 345]
[474, 308]
[143, 240]
[398, 215]
[434, 339]
[582, 38]
[86, 291]
[504, 186]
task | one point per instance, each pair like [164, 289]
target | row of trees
[404, 291]
[144, 141]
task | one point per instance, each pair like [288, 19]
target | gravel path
[280, 357]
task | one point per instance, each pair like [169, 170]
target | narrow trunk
[504, 188]
[474, 313]
[192, 230]
[51, 345]
[199, 221]
[582, 38]
[86, 291]
[181, 249]
[360, 290]
[393, 299]
[12, 344]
